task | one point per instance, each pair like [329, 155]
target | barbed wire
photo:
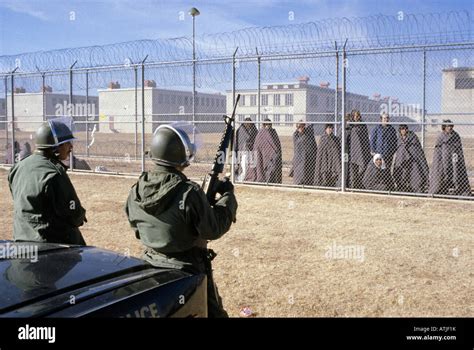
[361, 32]
[217, 76]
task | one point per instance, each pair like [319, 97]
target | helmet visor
[62, 128]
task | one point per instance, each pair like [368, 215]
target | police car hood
[31, 270]
[155, 191]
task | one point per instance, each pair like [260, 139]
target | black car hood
[54, 269]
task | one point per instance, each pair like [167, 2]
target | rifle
[212, 179]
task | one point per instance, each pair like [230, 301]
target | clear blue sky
[35, 25]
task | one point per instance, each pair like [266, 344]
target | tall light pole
[194, 12]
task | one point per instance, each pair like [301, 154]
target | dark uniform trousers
[195, 261]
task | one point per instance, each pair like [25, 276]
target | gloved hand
[224, 185]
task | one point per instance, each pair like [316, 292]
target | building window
[264, 100]
[288, 99]
[288, 118]
[242, 100]
[253, 100]
[241, 117]
[464, 83]
[276, 118]
[276, 100]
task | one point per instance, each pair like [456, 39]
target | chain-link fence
[384, 120]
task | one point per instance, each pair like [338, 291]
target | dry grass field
[313, 253]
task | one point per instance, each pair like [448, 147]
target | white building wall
[458, 99]
[117, 108]
[28, 111]
[310, 103]
[29, 108]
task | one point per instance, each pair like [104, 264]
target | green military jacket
[171, 214]
[46, 206]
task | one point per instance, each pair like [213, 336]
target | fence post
[336, 106]
[6, 110]
[232, 164]
[71, 109]
[143, 113]
[259, 89]
[194, 83]
[13, 115]
[87, 112]
[344, 156]
[423, 128]
[43, 83]
[136, 111]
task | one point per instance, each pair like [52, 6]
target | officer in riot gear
[171, 215]
[46, 205]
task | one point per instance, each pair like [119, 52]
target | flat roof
[52, 94]
[304, 87]
[458, 69]
[215, 94]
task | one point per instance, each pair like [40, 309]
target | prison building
[287, 103]
[121, 108]
[457, 98]
[32, 108]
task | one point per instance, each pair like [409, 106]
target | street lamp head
[194, 12]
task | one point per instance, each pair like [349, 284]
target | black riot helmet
[172, 145]
[54, 133]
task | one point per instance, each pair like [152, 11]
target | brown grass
[417, 252]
